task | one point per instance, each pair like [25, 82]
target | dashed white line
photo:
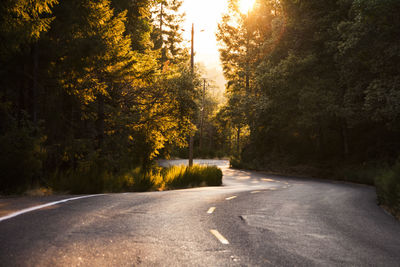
[211, 210]
[229, 198]
[255, 192]
[220, 237]
[268, 180]
[15, 214]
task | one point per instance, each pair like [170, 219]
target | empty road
[254, 219]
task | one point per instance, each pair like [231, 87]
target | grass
[95, 179]
[385, 179]
[183, 176]
[387, 185]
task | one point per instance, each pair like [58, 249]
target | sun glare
[246, 5]
[205, 14]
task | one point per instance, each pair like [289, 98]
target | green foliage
[388, 188]
[22, 22]
[88, 72]
[314, 81]
[138, 22]
[167, 36]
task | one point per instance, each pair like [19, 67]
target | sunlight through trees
[105, 86]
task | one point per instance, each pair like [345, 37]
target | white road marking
[255, 192]
[232, 197]
[15, 214]
[221, 239]
[211, 210]
[234, 258]
[272, 188]
[268, 180]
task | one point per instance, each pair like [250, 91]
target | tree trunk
[163, 49]
[34, 88]
[230, 147]
[21, 96]
[345, 138]
[100, 120]
[320, 142]
[191, 140]
[202, 116]
[238, 141]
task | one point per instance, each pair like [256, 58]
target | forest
[93, 90]
[313, 88]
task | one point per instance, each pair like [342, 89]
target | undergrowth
[388, 189]
[385, 179]
[198, 175]
[95, 179]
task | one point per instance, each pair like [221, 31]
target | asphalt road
[253, 220]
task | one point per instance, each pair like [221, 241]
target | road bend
[254, 219]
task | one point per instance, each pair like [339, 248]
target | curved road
[253, 220]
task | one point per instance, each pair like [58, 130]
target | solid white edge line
[220, 238]
[15, 214]
[229, 198]
[211, 210]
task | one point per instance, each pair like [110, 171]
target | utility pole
[163, 49]
[202, 115]
[192, 71]
[192, 51]
[247, 53]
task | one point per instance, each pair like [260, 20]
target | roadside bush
[388, 188]
[236, 163]
[94, 178]
[183, 176]
[146, 180]
[360, 174]
[89, 179]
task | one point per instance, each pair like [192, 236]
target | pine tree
[137, 22]
[22, 22]
[167, 31]
[243, 42]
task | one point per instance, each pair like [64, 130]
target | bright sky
[205, 14]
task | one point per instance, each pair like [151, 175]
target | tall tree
[167, 33]
[22, 23]
[368, 58]
[319, 84]
[137, 23]
[243, 42]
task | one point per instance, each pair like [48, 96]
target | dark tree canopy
[82, 88]
[313, 80]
